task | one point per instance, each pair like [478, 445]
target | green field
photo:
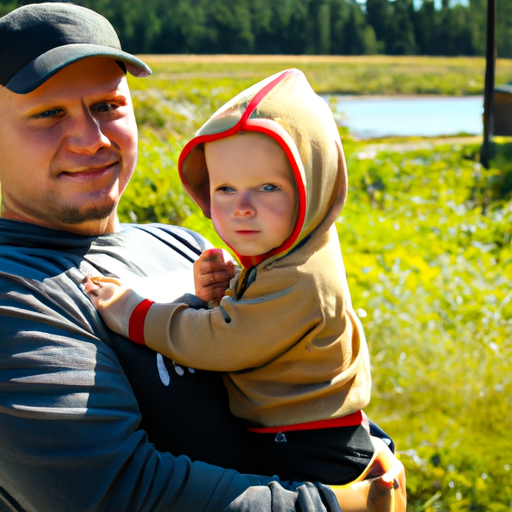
[340, 74]
[426, 236]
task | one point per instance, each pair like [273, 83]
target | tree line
[316, 27]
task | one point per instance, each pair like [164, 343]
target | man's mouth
[90, 173]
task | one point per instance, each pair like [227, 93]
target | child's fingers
[211, 286]
[213, 255]
[213, 271]
[208, 276]
[90, 286]
[103, 293]
[100, 279]
[210, 270]
[217, 257]
[217, 291]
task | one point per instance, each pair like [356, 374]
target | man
[89, 421]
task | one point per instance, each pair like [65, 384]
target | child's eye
[225, 190]
[269, 188]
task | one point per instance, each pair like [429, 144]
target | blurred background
[313, 27]
[427, 230]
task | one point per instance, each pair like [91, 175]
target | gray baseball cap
[37, 40]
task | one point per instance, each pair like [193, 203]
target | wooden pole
[490, 65]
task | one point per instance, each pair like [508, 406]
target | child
[268, 168]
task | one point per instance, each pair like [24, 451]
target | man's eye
[49, 113]
[269, 188]
[106, 107]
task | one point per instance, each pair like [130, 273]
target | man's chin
[75, 216]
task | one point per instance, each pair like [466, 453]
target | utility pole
[490, 66]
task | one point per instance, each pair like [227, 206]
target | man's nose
[85, 135]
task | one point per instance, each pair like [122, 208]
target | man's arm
[69, 422]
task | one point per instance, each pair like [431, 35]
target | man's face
[252, 192]
[68, 148]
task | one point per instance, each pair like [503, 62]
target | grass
[427, 241]
[426, 235]
[433, 275]
[335, 74]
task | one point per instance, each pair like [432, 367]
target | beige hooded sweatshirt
[287, 337]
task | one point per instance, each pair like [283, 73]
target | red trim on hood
[238, 126]
[245, 124]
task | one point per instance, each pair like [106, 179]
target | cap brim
[39, 70]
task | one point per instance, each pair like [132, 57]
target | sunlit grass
[431, 276]
[337, 74]
[427, 241]
[426, 236]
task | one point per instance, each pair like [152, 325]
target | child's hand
[212, 275]
[114, 301]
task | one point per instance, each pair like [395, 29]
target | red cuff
[136, 327]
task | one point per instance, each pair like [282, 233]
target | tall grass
[434, 275]
[337, 74]
[426, 237]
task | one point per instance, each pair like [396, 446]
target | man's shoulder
[185, 242]
[168, 233]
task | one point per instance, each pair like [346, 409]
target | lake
[378, 116]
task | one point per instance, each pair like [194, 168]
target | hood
[284, 107]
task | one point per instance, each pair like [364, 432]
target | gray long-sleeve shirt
[70, 436]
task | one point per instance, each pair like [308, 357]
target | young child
[269, 170]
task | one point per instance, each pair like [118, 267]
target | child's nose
[244, 206]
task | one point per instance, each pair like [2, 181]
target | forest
[296, 27]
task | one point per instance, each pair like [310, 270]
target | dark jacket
[72, 392]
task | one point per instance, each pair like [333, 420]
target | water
[371, 117]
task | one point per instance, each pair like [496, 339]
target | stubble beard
[72, 215]
[96, 209]
[61, 213]
[52, 213]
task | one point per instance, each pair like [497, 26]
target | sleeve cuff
[137, 319]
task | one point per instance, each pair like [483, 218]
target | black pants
[331, 455]
[190, 416]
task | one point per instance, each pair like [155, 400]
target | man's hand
[212, 274]
[389, 492]
[386, 493]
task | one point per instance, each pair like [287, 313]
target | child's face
[252, 192]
